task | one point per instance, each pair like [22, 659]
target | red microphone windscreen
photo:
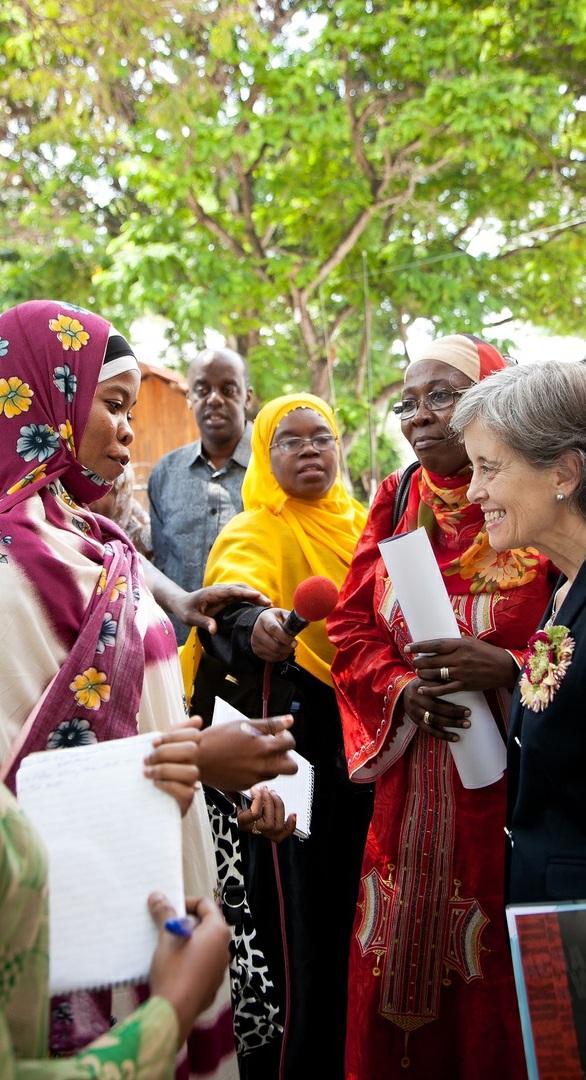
[315, 598]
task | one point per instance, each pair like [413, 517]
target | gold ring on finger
[427, 718]
[445, 674]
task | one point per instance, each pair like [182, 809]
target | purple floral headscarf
[50, 358]
[51, 355]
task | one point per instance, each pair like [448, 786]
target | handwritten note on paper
[112, 838]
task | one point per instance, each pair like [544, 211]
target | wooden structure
[162, 422]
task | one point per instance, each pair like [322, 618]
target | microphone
[313, 599]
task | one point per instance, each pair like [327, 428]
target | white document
[296, 791]
[480, 755]
[112, 838]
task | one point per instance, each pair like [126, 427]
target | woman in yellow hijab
[298, 521]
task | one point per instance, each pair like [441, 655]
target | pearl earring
[560, 496]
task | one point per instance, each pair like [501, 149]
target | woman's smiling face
[310, 472]
[518, 501]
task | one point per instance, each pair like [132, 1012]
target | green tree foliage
[306, 177]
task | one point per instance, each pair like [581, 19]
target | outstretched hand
[198, 608]
[189, 971]
[239, 754]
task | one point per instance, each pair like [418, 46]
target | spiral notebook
[112, 838]
[296, 790]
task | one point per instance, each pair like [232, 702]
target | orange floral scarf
[459, 538]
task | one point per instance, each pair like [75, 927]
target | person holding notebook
[185, 975]
[87, 653]
[298, 522]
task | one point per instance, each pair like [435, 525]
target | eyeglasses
[436, 401]
[295, 445]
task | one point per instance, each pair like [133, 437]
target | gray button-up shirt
[190, 501]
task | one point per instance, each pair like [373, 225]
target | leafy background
[308, 179]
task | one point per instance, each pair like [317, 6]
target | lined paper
[112, 838]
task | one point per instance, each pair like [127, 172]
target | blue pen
[181, 927]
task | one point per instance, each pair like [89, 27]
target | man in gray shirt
[195, 490]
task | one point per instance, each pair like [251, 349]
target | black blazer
[547, 778]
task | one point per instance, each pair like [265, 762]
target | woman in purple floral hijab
[86, 654]
[52, 363]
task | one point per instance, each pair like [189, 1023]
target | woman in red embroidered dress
[431, 991]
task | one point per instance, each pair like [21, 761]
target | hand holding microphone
[313, 600]
[273, 636]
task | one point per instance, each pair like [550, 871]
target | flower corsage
[548, 659]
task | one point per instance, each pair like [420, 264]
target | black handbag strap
[402, 494]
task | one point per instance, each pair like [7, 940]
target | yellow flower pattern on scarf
[30, 478]
[120, 586]
[66, 433]
[15, 396]
[70, 332]
[91, 688]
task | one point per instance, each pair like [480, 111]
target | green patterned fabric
[143, 1047]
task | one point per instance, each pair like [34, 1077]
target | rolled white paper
[480, 754]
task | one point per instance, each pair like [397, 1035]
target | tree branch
[546, 240]
[381, 399]
[363, 353]
[387, 393]
[214, 227]
[499, 322]
[356, 129]
[220, 233]
[268, 235]
[316, 356]
[363, 219]
[403, 325]
[283, 16]
[343, 248]
[246, 200]
[340, 319]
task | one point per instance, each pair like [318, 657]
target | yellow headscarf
[278, 541]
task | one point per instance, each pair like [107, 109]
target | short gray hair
[538, 409]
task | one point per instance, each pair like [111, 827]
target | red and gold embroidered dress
[431, 994]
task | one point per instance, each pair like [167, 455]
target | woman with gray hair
[430, 978]
[525, 435]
